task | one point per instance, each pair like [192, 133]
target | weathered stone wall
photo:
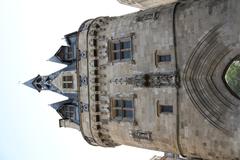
[146, 41]
[145, 4]
[207, 40]
[202, 37]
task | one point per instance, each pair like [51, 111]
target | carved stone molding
[151, 80]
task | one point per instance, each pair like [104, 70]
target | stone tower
[154, 79]
[145, 4]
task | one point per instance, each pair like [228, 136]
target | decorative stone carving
[83, 54]
[158, 80]
[139, 134]
[84, 107]
[151, 80]
[153, 15]
[83, 81]
[90, 140]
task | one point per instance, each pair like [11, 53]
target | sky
[31, 31]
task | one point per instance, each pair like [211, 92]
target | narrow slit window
[95, 53]
[164, 109]
[164, 58]
[97, 118]
[95, 63]
[94, 42]
[97, 88]
[96, 97]
[96, 80]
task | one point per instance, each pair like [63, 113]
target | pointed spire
[55, 106]
[55, 59]
[58, 105]
[30, 83]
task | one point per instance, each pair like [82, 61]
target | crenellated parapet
[95, 80]
[99, 100]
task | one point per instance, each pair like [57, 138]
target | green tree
[232, 77]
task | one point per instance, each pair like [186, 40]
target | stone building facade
[153, 79]
[145, 4]
[167, 156]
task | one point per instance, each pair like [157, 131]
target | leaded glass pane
[126, 55]
[128, 104]
[125, 45]
[117, 56]
[128, 114]
[118, 103]
[166, 108]
[164, 58]
[116, 46]
[118, 113]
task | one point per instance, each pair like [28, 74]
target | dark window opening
[128, 104]
[94, 42]
[97, 118]
[39, 80]
[126, 55]
[39, 86]
[126, 45]
[96, 80]
[118, 103]
[95, 53]
[122, 109]
[127, 114]
[65, 53]
[121, 49]
[96, 72]
[67, 85]
[68, 56]
[69, 112]
[117, 55]
[67, 81]
[100, 134]
[97, 88]
[96, 97]
[98, 127]
[116, 46]
[118, 113]
[164, 58]
[95, 63]
[97, 108]
[166, 109]
[97, 26]
[67, 78]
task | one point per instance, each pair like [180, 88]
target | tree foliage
[232, 77]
